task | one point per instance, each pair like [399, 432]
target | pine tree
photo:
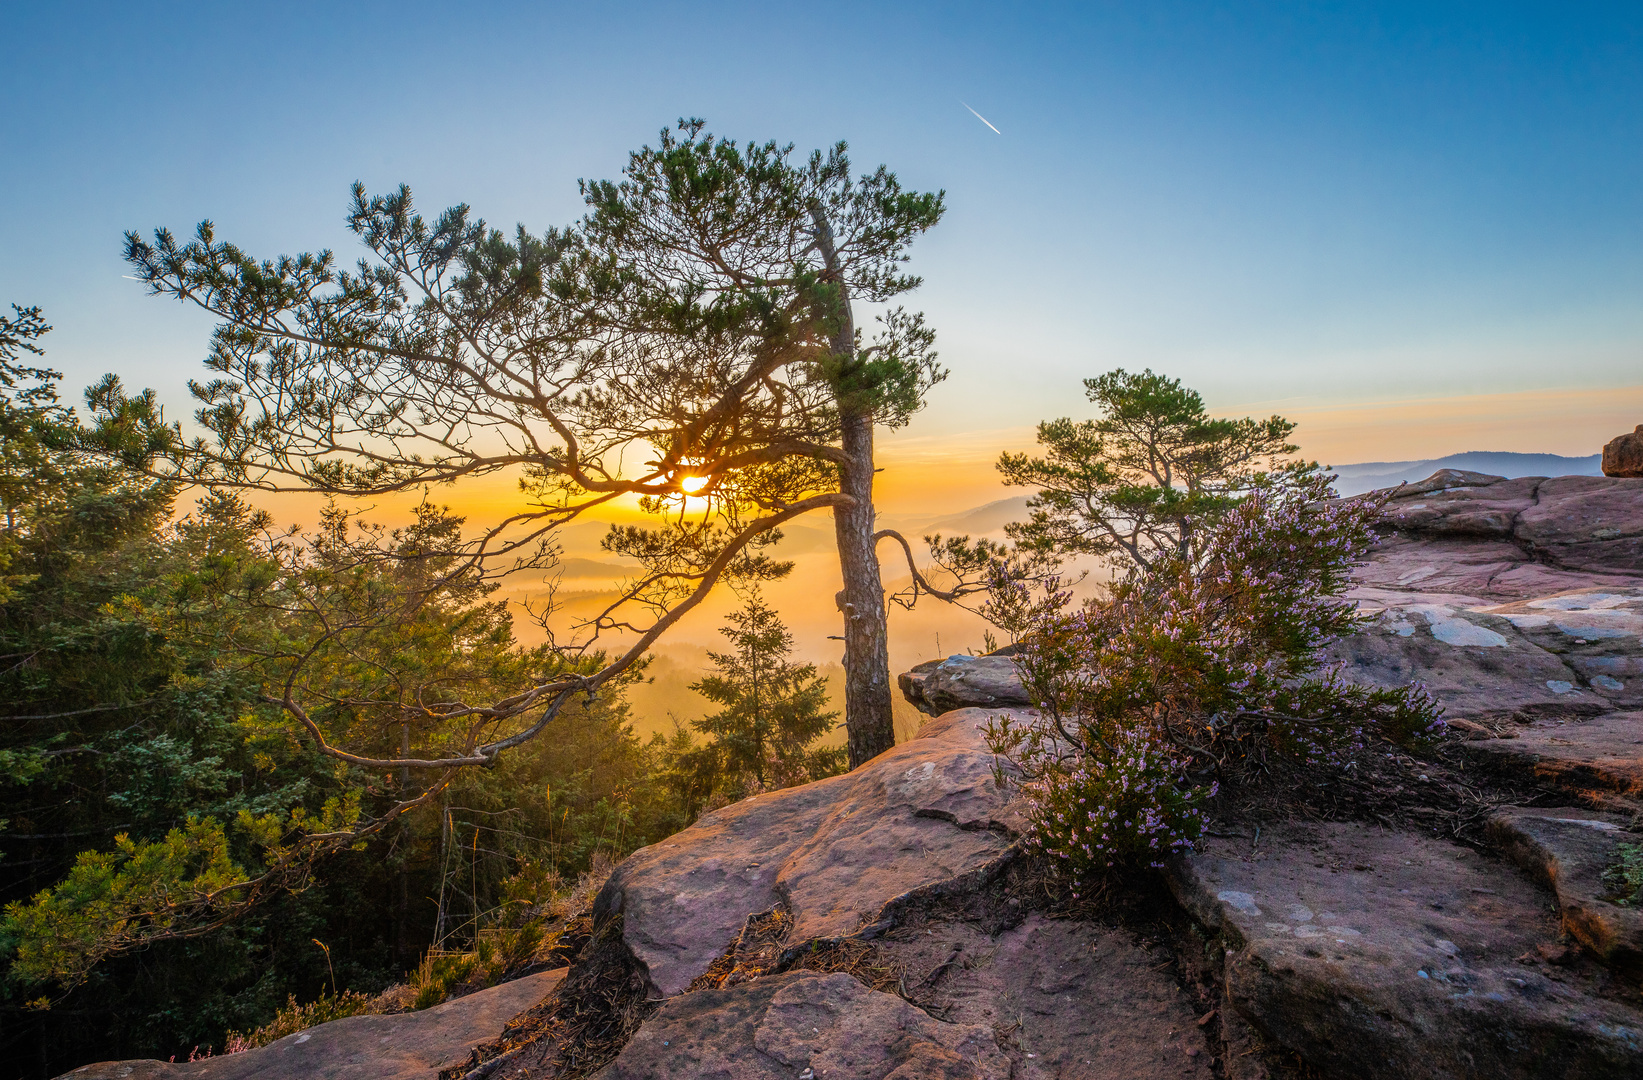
[773, 710]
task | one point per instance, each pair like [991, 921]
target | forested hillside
[143, 763]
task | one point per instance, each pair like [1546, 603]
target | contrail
[983, 119]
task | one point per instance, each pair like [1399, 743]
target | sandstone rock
[1377, 954]
[399, 1047]
[1444, 479]
[1586, 522]
[1509, 598]
[1591, 523]
[1568, 850]
[1623, 455]
[1481, 506]
[960, 682]
[924, 816]
[830, 1027]
[1477, 665]
[1589, 758]
[1076, 999]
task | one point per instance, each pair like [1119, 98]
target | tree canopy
[690, 343]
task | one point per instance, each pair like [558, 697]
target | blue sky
[1301, 206]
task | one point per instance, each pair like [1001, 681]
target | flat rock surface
[1070, 1000]
[830, 1027]
[1569, 850]
[1511, 599]
[922, 816]
[398, 1047]
[1596, 756]
[1381, 954]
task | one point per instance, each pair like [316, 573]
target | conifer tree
[1146, 479]
[692, 342]
[772, 709]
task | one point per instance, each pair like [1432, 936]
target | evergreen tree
[694, 336]
[1146, 479]
[772, 710]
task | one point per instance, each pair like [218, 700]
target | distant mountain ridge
[1369, 475]
[990, 518]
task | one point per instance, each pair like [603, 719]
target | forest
[137, 631]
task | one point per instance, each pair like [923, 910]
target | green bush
[294, 1018]
[1195, 669]
[1625, 877]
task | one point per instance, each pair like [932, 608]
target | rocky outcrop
[1511, 599]
[1380, 954]
[959, 682]
[882, 925]
[1623, 455]
[838, 855]
[405, 1046]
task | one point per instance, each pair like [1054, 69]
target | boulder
[1374, 953]
[404, 1046]
[1623, 454]
[804, 1024]
[1568, 851]
[960, 682]
[837, 853]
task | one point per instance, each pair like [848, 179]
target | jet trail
[983, 119]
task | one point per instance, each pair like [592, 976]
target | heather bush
[1115, 806]
[1197, 669]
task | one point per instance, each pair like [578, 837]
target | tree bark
[869, 726]
[868, 722]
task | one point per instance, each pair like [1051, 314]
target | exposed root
[580, 1027]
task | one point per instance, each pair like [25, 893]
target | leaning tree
[691, 345]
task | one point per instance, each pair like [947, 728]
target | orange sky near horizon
[928, 475]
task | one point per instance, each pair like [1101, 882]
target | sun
[693, 485]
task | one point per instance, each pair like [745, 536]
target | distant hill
[988, 518]
[1369, 475]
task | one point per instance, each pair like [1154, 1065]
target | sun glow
[693, 485]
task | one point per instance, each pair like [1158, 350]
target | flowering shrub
[1122, 805]
[1199, 665]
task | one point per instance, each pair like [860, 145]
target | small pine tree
[773, 710]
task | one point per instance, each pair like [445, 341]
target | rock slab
[802, 1023]
[837, 853]
[1069, 1000]
[404, 1046]
[1379, 954]
[1569, 850]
